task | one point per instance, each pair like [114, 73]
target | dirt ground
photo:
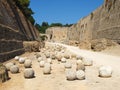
[57, 80]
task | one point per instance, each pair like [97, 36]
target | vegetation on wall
[23, 5]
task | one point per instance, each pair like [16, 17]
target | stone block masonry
[104, 22]
[14, 29]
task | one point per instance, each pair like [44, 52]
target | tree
[56, 24]
[23, 5]
[45, 24]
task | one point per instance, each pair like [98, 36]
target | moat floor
[57, 80]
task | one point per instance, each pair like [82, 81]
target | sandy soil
[57, 80]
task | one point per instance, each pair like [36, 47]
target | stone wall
[57, 34]
[14, 29]
[104, 22]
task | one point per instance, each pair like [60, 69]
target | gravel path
[99, 58]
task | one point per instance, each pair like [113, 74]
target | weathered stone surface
[29, 73]
[14, 69]
[104, 22]
[14, 29]
[31, 46]
[101, 44]
[3, 73]
[57, 34]
[105, 71]
[80, 74]
[70, 75]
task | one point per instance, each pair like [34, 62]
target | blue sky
[62, 11]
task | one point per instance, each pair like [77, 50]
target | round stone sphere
[105, 71]
[70, 75]
[68, 65]
[47, 54]
[14, 69]
[8, 65]
[67, 56]
[80, 74]
[16, 58]
[47, 70]
[38, 55]
[29, 73]
[28, 63]
[49, 60]
[79, 62]
[42, 63]
[48, 65]
[78, 57]
[40, 59]
[58, 57]
[21, 60]
[87, 61]
[63, 60]
[80, 65]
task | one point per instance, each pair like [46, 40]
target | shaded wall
[14, 29]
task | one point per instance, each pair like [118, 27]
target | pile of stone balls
[14, 68]
[59, 53]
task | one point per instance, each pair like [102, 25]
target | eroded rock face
[31, 46]
[14, 29]
[101, 44]
[4, 76]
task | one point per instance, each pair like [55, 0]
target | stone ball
[29, 73]
[70, 75]
[46, 69]
[40, 59]
[8, 65]
[14, 69]
[47, 65]
[52, 56]
[38, 55]
[73, 55]
[16, 58]
[27, 63]
[67, 56]
[80, 67]
[63, 60]
[42, 63]
[80, 75]
[105, 71]
[87, 61]
[78, 57]
[79, 62]
[62, 51]
[21, 60]
[47, 54]
[58, 57]
[68, 65]
[49, 60]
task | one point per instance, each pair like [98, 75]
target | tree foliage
[42, 28]
[23, 5]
